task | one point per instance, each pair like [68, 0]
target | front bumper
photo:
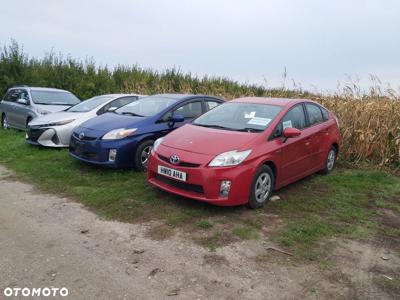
[203, 182]
[96, 151]
[44, 136]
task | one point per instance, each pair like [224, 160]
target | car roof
[284, 102]
[182, 96]
[38, 88]
[121, 95]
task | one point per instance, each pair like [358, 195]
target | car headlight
[65, 122]
[118, 134]
[42, 111]
[157, 143]
[230, 158]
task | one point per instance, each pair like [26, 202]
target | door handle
[308, 140]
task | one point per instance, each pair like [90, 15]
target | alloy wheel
[330, 162]
[262, 187]
[144, 156]
[5, 122]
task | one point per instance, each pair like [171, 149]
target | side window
[121, 101]
[117, 103]
[210, 104]
[24, 95]
[12, 96]
[325, 114]
[314, 114]
[190, 110]
[294, 118]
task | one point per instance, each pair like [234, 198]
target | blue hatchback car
[124, 138]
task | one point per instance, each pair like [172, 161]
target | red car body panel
[197, 146]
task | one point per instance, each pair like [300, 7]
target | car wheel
[142, 155]
[330, 161]
[4, 122]
[261, 187]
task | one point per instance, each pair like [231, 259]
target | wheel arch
[336, 146]
[272, 165]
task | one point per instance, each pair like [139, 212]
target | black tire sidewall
[3, 118]
[138, 164]
[253, 203]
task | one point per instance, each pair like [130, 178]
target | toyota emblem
[174, 159]
[81, 135]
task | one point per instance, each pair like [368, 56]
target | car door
[319, 128]
[22, 111]
[8, 106]
[294, 153]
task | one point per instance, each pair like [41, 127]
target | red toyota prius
[240, 151]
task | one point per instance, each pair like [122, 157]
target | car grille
[85, 138]
[78, 149]
[181, 185]
[181, 164]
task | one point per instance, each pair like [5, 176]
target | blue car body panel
[90, 147]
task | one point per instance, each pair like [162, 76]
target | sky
[318, 43]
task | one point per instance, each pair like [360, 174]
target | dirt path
[49, 241]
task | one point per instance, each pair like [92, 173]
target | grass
[347, 203]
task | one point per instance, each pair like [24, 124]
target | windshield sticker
[259, 121]
[249, 115]
[287, 124]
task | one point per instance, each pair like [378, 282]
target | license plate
[172, 173]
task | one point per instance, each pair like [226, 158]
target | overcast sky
[318, 42]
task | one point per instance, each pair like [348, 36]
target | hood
[110, 121]
[208, 141]
[52, 108]
[56, 117]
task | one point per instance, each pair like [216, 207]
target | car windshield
[145, 107]
[90, 104]
[54, 98]
[248, 117]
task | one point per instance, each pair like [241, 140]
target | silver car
[55, 130]
[21, 104]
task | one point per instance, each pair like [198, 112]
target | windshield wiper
[248, 129]
[131, 114]
[214, 126]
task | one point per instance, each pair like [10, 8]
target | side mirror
[112, 108]
[177, 118]
[23, 101]
[290, 132]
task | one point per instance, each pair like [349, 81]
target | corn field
[369, 121]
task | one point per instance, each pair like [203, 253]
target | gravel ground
[49, 241]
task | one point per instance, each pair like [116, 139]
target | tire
[261, 187]
[4, 122]
[142, 150]
[330, 161]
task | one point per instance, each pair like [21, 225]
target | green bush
[85, 79]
